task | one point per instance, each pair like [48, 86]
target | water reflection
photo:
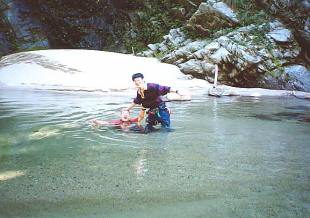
[140, 168]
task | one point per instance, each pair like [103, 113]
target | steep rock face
[295, 14]
[25, 31]
[114, 25]
[88, 24]
[6, 38]
[75, 24]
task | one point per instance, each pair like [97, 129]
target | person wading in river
[148, 95]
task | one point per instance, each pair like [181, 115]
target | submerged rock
[44, 132]
[7, 175]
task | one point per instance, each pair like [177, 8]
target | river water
[226, 157]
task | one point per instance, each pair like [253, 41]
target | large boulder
[212, 16]
[292, 77]
[199, 69]
[299, 77]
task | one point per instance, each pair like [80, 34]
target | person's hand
[179, 96]
[96, 123]
[93, 123]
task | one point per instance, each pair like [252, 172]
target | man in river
[148, 95]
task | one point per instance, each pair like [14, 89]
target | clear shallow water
[227, 157]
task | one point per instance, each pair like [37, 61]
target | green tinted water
[227, 157]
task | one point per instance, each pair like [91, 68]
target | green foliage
[223, 32]
[277, 63]
[152, 24]
[35, 48]
[278, 70]
[159, 54]
[19, 48]
[192, 34]
[249, 13]
[252, 17]
[259, 35]
[242, 4]
[276, 73]
[260, 39]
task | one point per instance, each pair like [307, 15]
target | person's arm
[141, 116]
[180, 93]
[132, 105]
[163, 90]
[136, 101]
[177, 95]
[114, 122]
[99, 122]
[174, 91]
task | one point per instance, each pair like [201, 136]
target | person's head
[137, 78]
[125, 115]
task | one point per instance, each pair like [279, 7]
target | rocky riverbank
[265, 55]
[261, 44]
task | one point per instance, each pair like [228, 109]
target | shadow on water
[299, 107]
[298, 113]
